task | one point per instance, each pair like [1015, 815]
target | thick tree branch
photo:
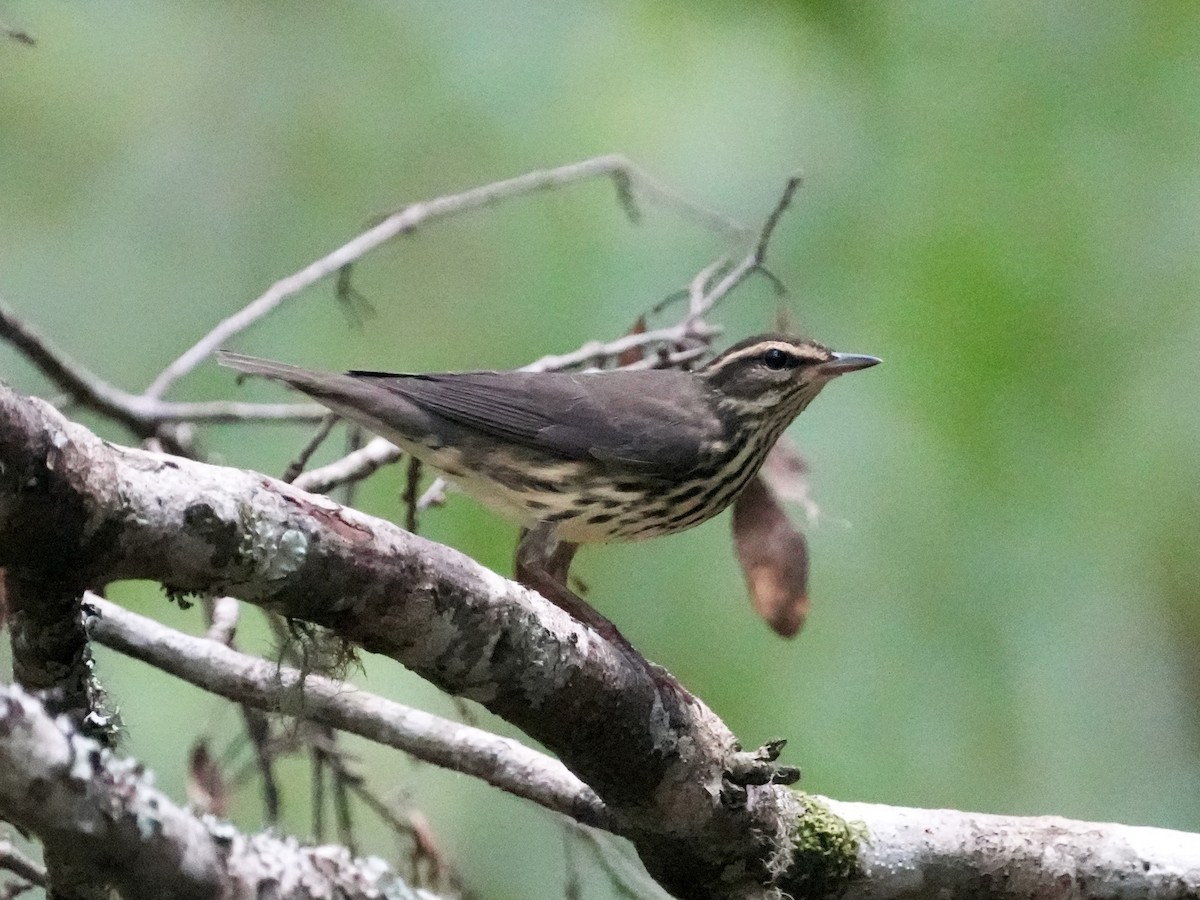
[101, 813]
[50, 649]
[903, 852]
[659, 763]
[51, 655]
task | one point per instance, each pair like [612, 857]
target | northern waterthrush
[588, 457]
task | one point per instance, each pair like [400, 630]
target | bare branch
[77, 381]
[223, 620]
[435, 494]
[411, 481]
[297, 466]
[597, 353]
[937, 853]
[702, 301]
[630, 181]
[141, 415]
[213, 667]
[698, 288]
[216, 412]
[768, 230]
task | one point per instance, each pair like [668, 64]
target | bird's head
[777, 373]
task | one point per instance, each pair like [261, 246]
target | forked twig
[143, 416]
[768, 230]
[297, 466]
[629, 179]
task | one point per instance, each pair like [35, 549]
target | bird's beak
[847, 362]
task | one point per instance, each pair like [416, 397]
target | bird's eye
[776, 359]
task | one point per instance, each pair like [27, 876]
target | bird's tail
[361, 400]
[267, 368]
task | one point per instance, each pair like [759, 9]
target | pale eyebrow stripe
[757, 349]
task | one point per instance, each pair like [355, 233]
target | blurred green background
[1000, 201]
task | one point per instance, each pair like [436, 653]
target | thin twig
[668, 359]
[354, 441]
[768, 230]
[318, 794]
[217, 412]
[411, 483]
[699, 285]
[435, 494]
[297, 466]
[328, 756]
[413, 826]
[223, 614]
[628, 178]
[701, 302]
[77, 381]
[595, 353]
[377, 453]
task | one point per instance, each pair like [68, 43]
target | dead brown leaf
[206, 788]
[633, 354]
[774, 557]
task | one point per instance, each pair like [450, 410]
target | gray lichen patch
[276, 551]
[251, 546]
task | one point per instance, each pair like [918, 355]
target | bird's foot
[542, 564]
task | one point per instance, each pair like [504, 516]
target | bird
[587, 457]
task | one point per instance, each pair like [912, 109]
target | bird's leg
[542, 565]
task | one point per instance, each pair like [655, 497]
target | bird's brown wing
[646, 421]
